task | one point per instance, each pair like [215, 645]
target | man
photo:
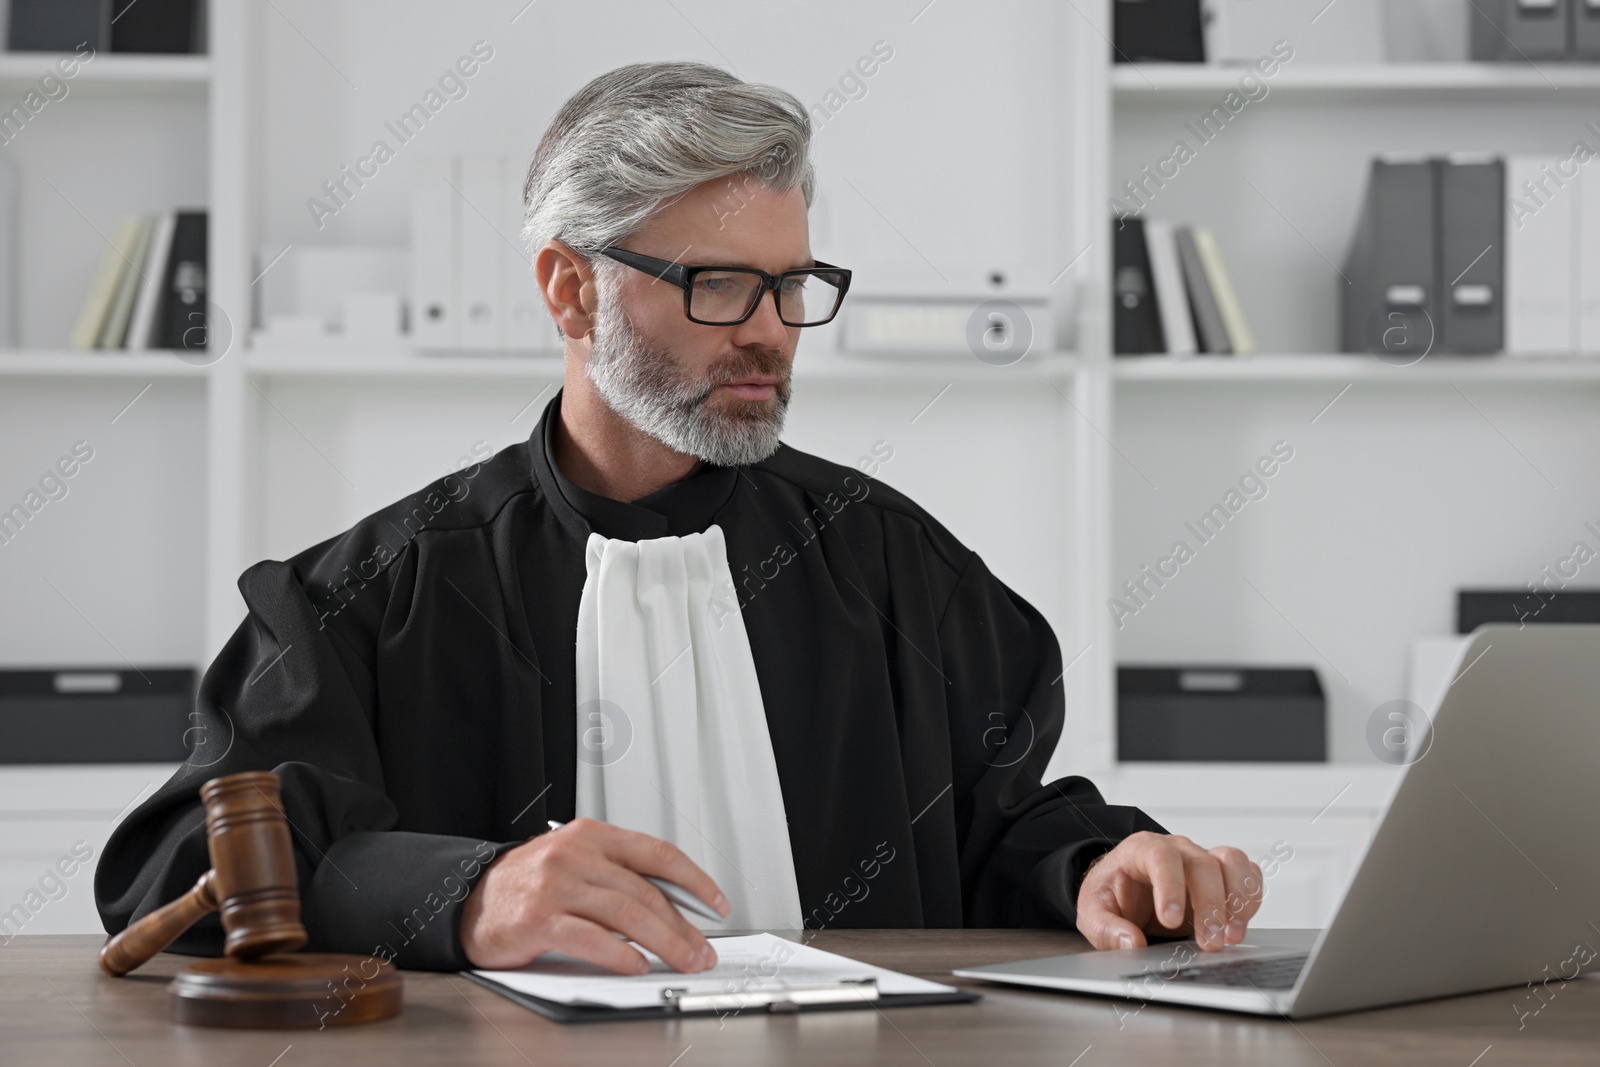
[759, 675]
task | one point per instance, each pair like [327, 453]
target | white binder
[9, 252]
[149, 299]
[1172, 300]
[434, 253]
[482, 249]
[114, 328]
[1587, 236]
[1541, 254]
[526, 325]
[1244, 31]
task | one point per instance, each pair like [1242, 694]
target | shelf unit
[280, 431]
[101, 568]
[75, 363]
[1520, 81]
[1359, 367]
[1432, 475]
[105, 73]
[819, 367]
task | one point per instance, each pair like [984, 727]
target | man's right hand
[568, 889]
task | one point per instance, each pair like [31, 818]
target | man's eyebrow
[751, 266]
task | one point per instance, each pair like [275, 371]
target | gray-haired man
[766, 677]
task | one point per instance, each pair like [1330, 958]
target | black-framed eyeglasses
[727, 296]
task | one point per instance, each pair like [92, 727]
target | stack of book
[150, 290]
[1173, 294]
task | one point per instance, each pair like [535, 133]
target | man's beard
[645, 385]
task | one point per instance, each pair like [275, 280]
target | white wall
[946, 169]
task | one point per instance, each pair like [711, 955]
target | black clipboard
[583, 1013]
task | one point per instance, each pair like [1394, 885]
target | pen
[675, 893]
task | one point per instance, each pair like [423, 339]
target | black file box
[1474, 607]
[1219, 714]
[89, 715]
[1163, 31]
[1516, 31]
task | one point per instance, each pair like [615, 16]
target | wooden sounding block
[253, 883]
[292, 991]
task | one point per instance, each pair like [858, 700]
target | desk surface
[56, 1008]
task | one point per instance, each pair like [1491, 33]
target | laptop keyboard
[1274, 973]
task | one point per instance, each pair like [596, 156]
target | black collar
[684, 507]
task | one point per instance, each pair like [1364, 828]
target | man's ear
[567, 283]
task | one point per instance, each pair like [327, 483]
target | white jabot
[672, 734]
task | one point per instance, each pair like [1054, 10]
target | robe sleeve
[1024, 844]
[293, 691]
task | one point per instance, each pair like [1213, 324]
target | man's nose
[763, 328]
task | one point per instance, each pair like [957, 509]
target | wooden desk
[56, 1008]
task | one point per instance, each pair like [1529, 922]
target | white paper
[747, 964]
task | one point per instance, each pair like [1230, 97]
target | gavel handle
[137, 943]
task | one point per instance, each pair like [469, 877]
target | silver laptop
[1482, 873]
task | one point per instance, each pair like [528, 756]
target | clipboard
[756, 974]
[811, 997]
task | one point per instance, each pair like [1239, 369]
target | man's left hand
[1166, 885]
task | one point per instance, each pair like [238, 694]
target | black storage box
[1221, 715]
[83, 715]
[1474, 607]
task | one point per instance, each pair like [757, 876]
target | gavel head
[252, 862]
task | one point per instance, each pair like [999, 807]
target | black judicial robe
[411, 681]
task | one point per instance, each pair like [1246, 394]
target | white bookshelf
[1409, 485]
[1414, 480]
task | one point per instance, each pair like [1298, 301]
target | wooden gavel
[252, 881]
[261, 982]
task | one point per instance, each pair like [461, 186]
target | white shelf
[1317, 789]
[821, 366]
[408, 363]
[77, 363]
[145, 75]
[398, 363]
[1351, 367]
[1149, 82]
[843, 366]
